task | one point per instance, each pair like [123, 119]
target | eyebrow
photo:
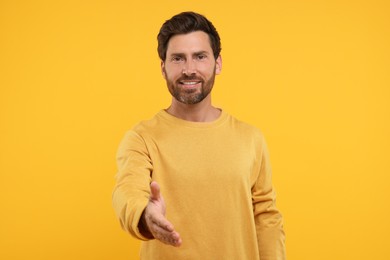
[179, 54]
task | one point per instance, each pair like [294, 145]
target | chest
[206, 160]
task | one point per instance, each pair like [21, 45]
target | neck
[200, 112]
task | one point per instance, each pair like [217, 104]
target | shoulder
[137, 132]
[146, 126]
[247, 128]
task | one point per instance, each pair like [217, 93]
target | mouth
[189, 83]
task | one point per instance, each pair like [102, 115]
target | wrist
[143, 227]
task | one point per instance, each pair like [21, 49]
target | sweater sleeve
[268, 220]
[132, 190]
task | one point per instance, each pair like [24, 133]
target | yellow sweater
[216, 181]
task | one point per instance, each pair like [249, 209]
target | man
[212, 169]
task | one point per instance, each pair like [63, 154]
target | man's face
[190, 67]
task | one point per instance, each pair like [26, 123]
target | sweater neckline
[181, 122]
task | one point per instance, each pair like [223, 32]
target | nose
[189, 68]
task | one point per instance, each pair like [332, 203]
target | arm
[139, 204]
[269, 222]
[131, 192]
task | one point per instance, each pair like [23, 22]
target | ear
[218, 65]
[163, 70]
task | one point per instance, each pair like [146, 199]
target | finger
[163, 233]
[170, 238]
[162, 222]
[175, 239]
[155, 191]
[173, 242]
[178, 242]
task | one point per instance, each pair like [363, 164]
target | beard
[191, 96]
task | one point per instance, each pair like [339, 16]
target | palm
[156, 222]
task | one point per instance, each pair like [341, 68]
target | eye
[176, 59]
[202, 56]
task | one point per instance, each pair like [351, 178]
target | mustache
[189, 78]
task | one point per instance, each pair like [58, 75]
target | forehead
[189, 43]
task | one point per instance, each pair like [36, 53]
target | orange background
[75, 75]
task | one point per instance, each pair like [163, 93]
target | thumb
[155, 191]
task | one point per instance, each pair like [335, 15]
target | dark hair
[184, 23]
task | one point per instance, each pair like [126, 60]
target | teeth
[189, 83]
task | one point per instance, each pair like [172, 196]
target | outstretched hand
[154, 219]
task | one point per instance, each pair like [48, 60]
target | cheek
[172, 73]
[208, 68]
[206, 72]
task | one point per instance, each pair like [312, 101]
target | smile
[189, 82]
